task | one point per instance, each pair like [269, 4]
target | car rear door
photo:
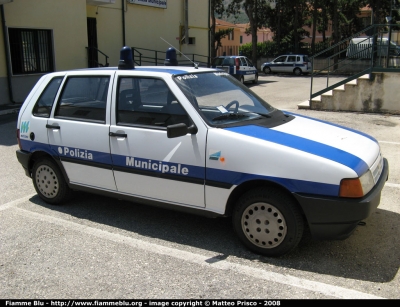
[78, 129]
[290, 63]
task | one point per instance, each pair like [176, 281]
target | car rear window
[224, 62]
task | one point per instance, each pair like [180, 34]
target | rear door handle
[53, 126]
[120, 135]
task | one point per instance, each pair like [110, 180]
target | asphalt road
[97, 247]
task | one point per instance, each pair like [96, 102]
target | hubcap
[264, 225]
[46, 181]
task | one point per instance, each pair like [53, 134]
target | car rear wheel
[267, 70]
[268, 221]
[49, 182]
[297, 71]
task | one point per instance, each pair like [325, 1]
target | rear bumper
[24, 158]
[337, 218]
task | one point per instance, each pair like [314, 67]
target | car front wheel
[268, 221]
[49, 182]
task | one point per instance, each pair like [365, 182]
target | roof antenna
[196, 65]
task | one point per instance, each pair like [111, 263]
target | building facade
[53, 35]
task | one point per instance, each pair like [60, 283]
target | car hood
[346, 146]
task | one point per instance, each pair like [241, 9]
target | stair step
[352, 82]
[304, 105]
[339, 88]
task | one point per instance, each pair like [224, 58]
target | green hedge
[270, 49]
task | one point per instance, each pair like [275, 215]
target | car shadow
[370, 254]
[8, 128]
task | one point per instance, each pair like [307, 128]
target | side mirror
[177, 130]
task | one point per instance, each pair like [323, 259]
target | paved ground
[96, 247]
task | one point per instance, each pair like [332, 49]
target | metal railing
[92, 54]
[143, 57]
[363, 53]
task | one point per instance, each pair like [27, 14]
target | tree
[216, 6]
[257, 12]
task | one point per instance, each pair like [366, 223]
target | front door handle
[120, 135]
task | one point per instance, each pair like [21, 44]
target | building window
[31, 51]
[241, 39]
[192, 40]
[231, 36]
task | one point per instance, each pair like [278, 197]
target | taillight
[18, 139]
[237, 62]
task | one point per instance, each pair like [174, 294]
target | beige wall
[145, 25]
[68, 21]
[66, 18]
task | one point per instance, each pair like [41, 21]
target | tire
[255, 81]
[297, 71]
[268, 221]
[267, 70]
[49, 182]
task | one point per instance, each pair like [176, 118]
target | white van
[361, 48]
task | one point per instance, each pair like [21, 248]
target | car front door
[279, 64]
[78, 129]
[148, 164]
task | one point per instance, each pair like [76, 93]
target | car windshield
[221, 99]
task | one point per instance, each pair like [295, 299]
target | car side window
[244, 62]
[291, 58]
[45, 102]
[280, 59]
[148, 102]
[84, 98]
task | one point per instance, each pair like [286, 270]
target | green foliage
[271, 49]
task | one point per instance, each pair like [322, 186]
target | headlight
[357, 187]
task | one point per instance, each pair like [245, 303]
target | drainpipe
[8, 56]
[123, 22]
[209, 34]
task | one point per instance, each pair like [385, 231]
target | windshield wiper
[263, 115]
[230, 116]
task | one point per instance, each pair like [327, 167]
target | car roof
[231, 56]
[171, 70]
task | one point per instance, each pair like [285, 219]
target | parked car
[238, 66]
[361, 48]
[288, 63]
[196, 140]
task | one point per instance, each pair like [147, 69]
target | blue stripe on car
[303, 144]
[335, 125]
[293, 185]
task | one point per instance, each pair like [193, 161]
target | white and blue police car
[197, 140]
[238, 66]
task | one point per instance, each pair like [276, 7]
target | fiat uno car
[238, 66]
[197, 140]
[297, 64]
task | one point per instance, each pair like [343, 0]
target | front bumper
[337, 218]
